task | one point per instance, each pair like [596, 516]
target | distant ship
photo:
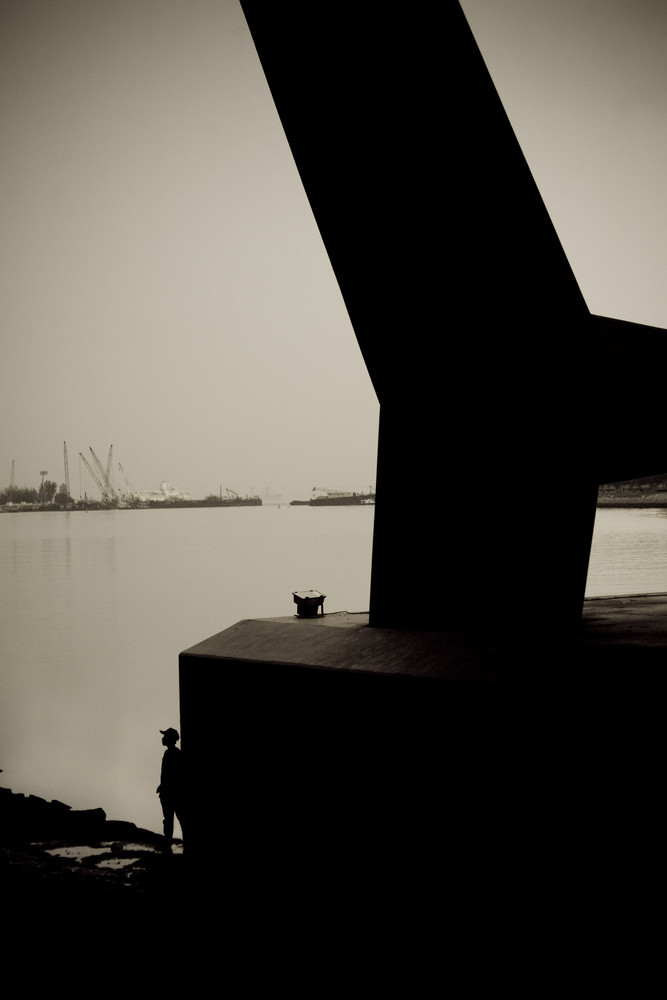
[169, 497]
[209, 501]
[336, 498]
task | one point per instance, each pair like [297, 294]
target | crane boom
[66, 467]
[93, 473]
[108, 491]
[107, 478]
[98, 464]
[127, 481]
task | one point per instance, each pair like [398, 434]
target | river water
[95, 608]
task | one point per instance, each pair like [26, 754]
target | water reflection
[629, 552]
[95, 608]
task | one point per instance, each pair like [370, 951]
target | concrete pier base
[362, 769]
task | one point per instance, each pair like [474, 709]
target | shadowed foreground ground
[111, 870]
[557, 853]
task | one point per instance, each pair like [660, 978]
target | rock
[25, 818]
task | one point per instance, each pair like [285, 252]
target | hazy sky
[163, 286]
[584, 83]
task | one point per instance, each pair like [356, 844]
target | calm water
[96, 607]
[629, 553]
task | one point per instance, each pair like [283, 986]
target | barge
[337, 498]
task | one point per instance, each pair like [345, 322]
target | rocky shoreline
[53, 855]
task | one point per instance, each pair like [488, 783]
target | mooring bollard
[308, 602]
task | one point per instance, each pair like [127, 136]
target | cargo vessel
[336, 498]
[211, 501]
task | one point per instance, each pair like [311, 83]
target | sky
[584, 84]
[163, 285]
[164, 288]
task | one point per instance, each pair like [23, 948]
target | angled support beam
[490, 371]
[470, 734]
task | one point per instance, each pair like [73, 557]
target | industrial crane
[130, 491]
[66, 468]
[108, 491]
[93, 473]
[107, 478]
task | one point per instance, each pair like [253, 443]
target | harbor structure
[112, 494]
[437, 751]
[327, 497]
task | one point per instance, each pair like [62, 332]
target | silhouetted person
[171, 788]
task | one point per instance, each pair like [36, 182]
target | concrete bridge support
[429, 745]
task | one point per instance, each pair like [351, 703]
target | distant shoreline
[657, 499]
[618, 500]
[85, 506]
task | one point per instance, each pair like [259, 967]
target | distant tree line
[644, 483]
[48, 492]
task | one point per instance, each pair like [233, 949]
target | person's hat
[170, 732]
